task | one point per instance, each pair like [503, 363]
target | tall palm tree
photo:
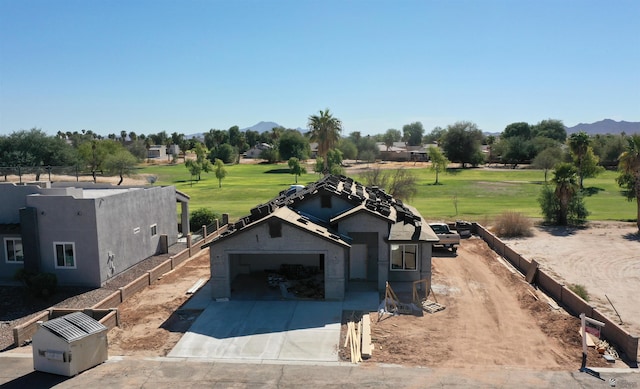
[324, 129]
[630, 164]
[579, 145]
[565, 178]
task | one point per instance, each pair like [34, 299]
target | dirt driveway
[491, 319]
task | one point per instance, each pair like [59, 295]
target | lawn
[469, 194]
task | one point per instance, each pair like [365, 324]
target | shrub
[201, 217]
[39, 284]
[580, 290]
[512, 224]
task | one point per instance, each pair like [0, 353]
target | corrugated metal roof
[74, 326]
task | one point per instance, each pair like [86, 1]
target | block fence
[26, 330]
[563, 295]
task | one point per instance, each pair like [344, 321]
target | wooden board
[531, 273]
[590, 340]
[366, 336]
[431, 306]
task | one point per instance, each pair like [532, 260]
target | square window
[65, 254]
[404, 257]
[13, 250]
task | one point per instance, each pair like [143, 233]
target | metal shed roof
[74, 326]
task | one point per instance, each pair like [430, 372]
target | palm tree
[579, 145]
[565, 178]
[324, 129]
[630, 164]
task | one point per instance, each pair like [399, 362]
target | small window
[325, 201]
[65, 254]
[404, 257]
[13, 250]
[275, 228]
[154, 229]
[136, 230]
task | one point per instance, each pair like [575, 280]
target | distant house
[256, 151]
[157, 151]
[348, 231]
[85, 234]
[173, 150]
[400, 151]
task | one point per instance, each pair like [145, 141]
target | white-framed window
[404, 257]
[154, 229]
[65, 255]
[13, 250]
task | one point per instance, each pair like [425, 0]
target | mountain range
[606, 126]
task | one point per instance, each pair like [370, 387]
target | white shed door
[358, 262]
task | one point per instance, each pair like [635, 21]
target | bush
[39, 284]
[580, 290]
[201, 217]
[551, 209]
[512, 224]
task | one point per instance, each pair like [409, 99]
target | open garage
[276, 276]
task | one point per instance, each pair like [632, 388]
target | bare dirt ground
[490, 319]
[151, 320]
[604, 257]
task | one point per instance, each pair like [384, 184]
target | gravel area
[17, 306]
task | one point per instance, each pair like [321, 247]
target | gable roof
[292, 218]
[406, 223]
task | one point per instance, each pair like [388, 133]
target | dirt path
[150, 325]
[490, 319]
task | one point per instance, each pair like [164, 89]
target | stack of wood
[359, 338]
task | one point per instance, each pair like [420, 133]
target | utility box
[69, 344]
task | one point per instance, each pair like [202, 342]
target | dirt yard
[151, 323]
[490, 319]
[604, 258]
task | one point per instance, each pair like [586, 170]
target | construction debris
[423, 302]
[359, 338]
[196, 286]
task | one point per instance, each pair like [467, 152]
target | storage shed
[69, 344]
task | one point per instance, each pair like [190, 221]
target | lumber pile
[359, 338]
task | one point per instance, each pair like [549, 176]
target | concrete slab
[269, 330]
[264, 330]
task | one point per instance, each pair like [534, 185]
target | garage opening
[277, 276]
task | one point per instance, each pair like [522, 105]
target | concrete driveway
[264, 330]
[276, 330]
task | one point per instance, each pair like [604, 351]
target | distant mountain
[606, 126]
[262, 127]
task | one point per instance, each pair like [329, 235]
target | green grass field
[480, 194]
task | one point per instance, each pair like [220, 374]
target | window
[154, 229]
[275, 228]
[404, 256]
[13, 250]
[65, 254]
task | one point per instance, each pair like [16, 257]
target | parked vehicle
[450, 240]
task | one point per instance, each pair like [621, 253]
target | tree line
[545, 145]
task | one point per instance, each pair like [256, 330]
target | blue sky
[189, 66]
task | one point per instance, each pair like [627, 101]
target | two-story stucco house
[85, 235]
[348, 231]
